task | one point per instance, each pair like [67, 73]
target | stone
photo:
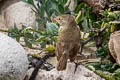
[13, 59]
[114, 46]
[3, 5]
[81, 73]
[19, 13]
[97, 5]
[6, 3]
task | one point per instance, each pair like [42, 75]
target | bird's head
[65, 20]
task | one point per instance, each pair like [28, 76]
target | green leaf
[61, 8]
[28, 35]
[115, 22]
[42, 10]
[104, 13]
[117, 0]
[54, 38]
[85, 25]
[15, 28]
[51, 11]
[112, 15]
[41, 38]
[50, 48]
[24, 1]
[18, 38]
[39, 21]
[116, 74]
[90, 24]
[27, 42]
[66, 9]
[50, 5]
[51, 28]
[43, 44]
[43, 1]
[65, 1]
[29, 1]
[23, 27]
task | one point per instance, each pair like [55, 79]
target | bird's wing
[73, 52]
[59, 50]
[61, 47]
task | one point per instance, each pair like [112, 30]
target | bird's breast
[69, 36]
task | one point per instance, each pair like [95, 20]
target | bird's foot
[76, 65]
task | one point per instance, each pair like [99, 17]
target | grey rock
[6, 3]
[13, 59]
[81, 73]
[19, 13]
[114, 46]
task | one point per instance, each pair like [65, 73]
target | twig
[2, 30]
[91, 38]
[39, 64]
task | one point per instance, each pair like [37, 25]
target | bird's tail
[62, 63]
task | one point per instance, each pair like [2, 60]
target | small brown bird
[68, 42]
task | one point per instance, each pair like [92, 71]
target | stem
[91, 38]
[39, 64]
[99, 32]
[2, 30]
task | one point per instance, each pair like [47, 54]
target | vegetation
[47, 31]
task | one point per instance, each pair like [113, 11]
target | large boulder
[13, 59]
[81, 73]
[97, 5]
[6, 3]
[114, 46]
[3, 5]
[19, 13]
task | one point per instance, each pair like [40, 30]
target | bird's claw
[76, 65]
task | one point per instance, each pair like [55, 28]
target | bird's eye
[58, 18]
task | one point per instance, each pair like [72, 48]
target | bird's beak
[54, 19]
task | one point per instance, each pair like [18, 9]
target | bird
[68, 42]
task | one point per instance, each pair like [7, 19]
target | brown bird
[68, 42]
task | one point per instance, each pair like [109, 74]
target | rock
[3, 5]
[97, 5]
[81, 73]
[19, 13]
[114, 46]
[13, 59]
[2, 25]
[6, 3]
[88, 50]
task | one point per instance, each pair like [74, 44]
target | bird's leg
[81, 48]
[76, 65]
[80, 51]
